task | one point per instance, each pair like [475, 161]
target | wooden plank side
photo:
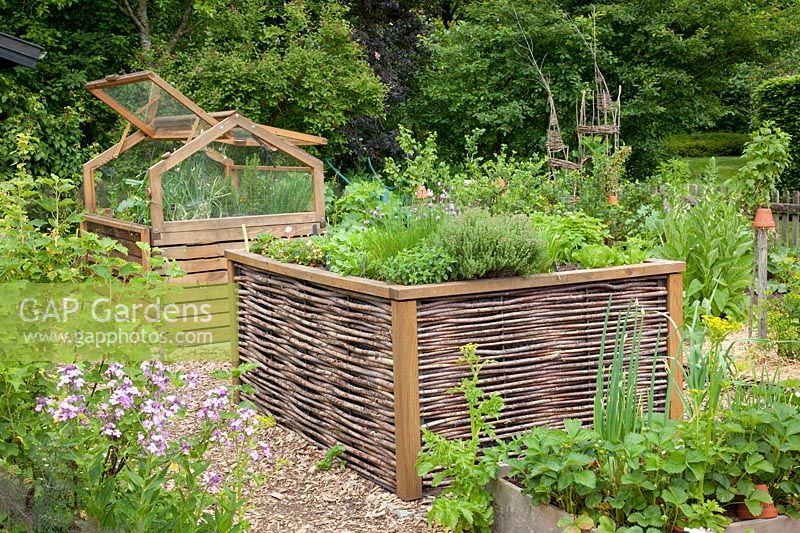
[675, 341]
[201, 265]
[132, 227]
[217, 276]
[196, 293]
[233, 234]
[213, 224]
[200, 251]
[406, 398]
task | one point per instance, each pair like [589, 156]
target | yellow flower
[719, 328]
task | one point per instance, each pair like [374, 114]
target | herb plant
[418, 265]
[487, 246]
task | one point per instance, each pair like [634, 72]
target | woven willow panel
[545, 343]
[326, 359]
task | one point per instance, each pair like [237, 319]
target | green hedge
[778, 100]
[705, 144]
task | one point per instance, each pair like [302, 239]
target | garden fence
[786, 210]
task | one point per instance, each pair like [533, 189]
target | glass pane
[236, 177]
[121, 184]
[154, 106]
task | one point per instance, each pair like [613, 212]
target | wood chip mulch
[296, 497]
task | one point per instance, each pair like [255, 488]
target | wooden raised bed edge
[404, 329]
[514, 513]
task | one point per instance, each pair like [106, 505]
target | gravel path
[297, 497]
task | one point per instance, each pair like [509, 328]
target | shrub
[486, 246]
[705, 144]
[418, 265]
[777, 100]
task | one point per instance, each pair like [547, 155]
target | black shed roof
[15, 51]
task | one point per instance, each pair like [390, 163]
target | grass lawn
[728, 165]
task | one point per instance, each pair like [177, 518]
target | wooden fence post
[761, 286]
[674, 342]
[406, 398]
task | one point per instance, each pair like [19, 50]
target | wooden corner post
[675, 341]
[233, 306]
[406, 398]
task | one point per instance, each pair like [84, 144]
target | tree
[289, 65]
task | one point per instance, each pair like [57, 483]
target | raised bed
[514, 513]
[364, 363]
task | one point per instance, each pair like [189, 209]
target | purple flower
[216, 401]
[69, 408]
[115, 370]
[124, 395]
[70, 375]
[156, 444]
[265, 450]
[212, 481]
[42, 402]
[186, 447]
[112, 431]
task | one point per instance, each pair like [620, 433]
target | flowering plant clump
[120, 428]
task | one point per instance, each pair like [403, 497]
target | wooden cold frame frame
[162, 228]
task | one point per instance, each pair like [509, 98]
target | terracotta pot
[422, 192]
[679, 529]
[763, 218]
[613, 200]
[768, 510]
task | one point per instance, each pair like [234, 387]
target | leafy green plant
[362, 201]
[554, 466]
[302, 251]
[783, 319]
[576, 524]
[618, 408]
[422, 163]
[465, 504]
[716, 242]
[565, 234]
[775, 100]
[418, 265]
[767, 156]
[389, 236]
[485, 245]
[332, 456]
[606, 169]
